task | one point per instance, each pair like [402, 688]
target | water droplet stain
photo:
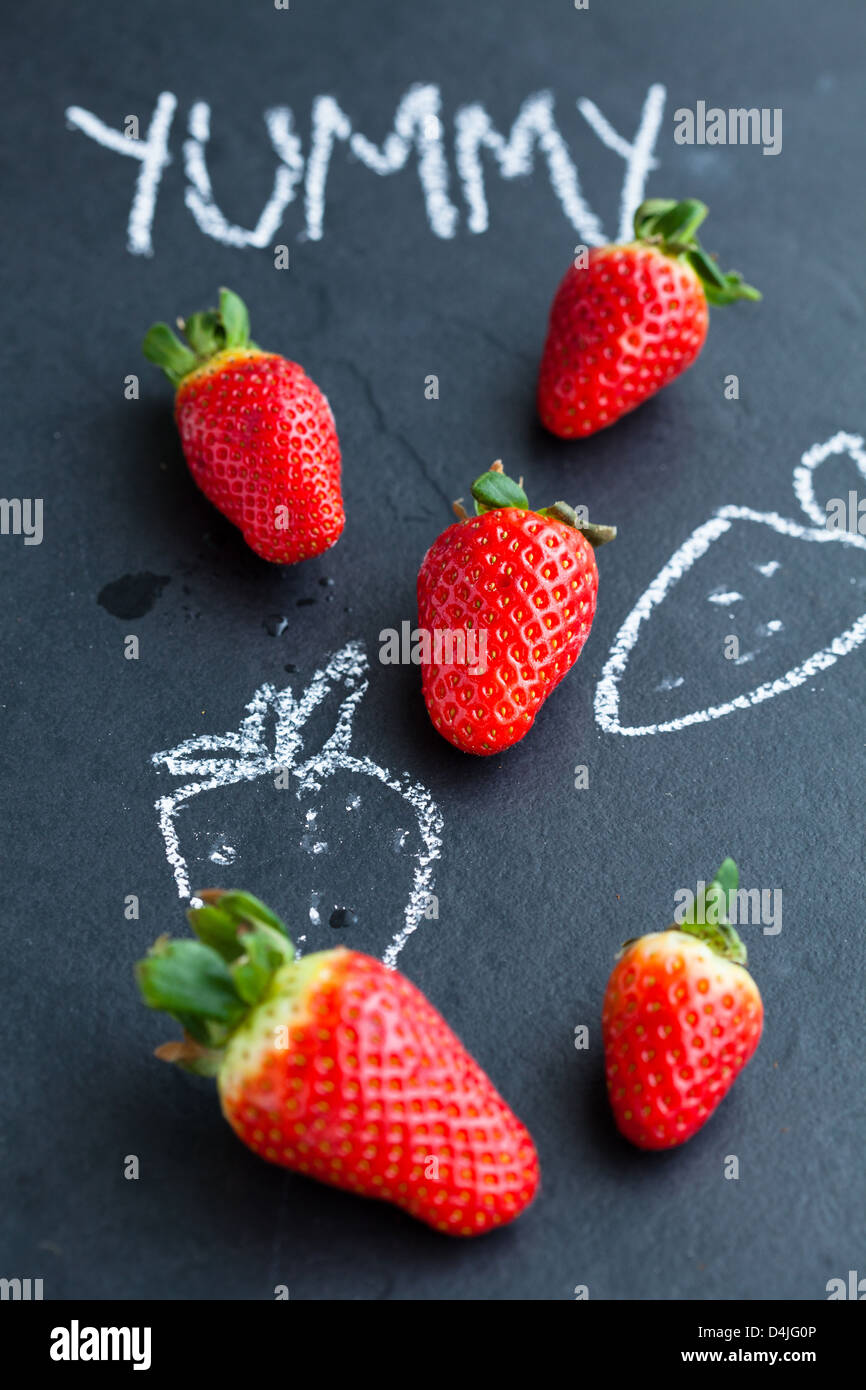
[223, 853]
[343, 917]
[132, 595]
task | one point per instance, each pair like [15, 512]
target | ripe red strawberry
[524, 584]
[339, 1068]
[630, 320]
[681, 1018]
[257, 433]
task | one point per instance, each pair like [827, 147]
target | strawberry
[681, 1018]
[630, 320]
[257, 433]
[334, 1066]
[523, 584]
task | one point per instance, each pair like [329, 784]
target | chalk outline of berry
[697, 544]
[253, 759]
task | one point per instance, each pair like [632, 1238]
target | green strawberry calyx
[494, 490]
[207, 333]
[672, 227]
[210, 984]
[707, 919]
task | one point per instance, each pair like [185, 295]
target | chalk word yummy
[417, 127]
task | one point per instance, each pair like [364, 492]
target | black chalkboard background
[538, 883]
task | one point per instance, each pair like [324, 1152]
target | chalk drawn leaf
[183, 762]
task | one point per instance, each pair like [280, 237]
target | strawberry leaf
[165, 350]
[189, 981]
[711, 915]
[234, 319]
[209, 332]
[681, 221]
[672, 227]
[244, 907]
[209, 985]
[725, 882]
[648, 215]
[494, 490]
[596, 534]
[217, 930]
[204, 333]
[253, 971]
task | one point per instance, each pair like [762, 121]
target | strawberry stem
[672, 227]
[207, 333]
[210, 984]
[495, 490]
[711, 914]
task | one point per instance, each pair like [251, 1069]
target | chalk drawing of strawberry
[776, 584]
[268, 754]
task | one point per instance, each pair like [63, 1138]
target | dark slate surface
[538, 883]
